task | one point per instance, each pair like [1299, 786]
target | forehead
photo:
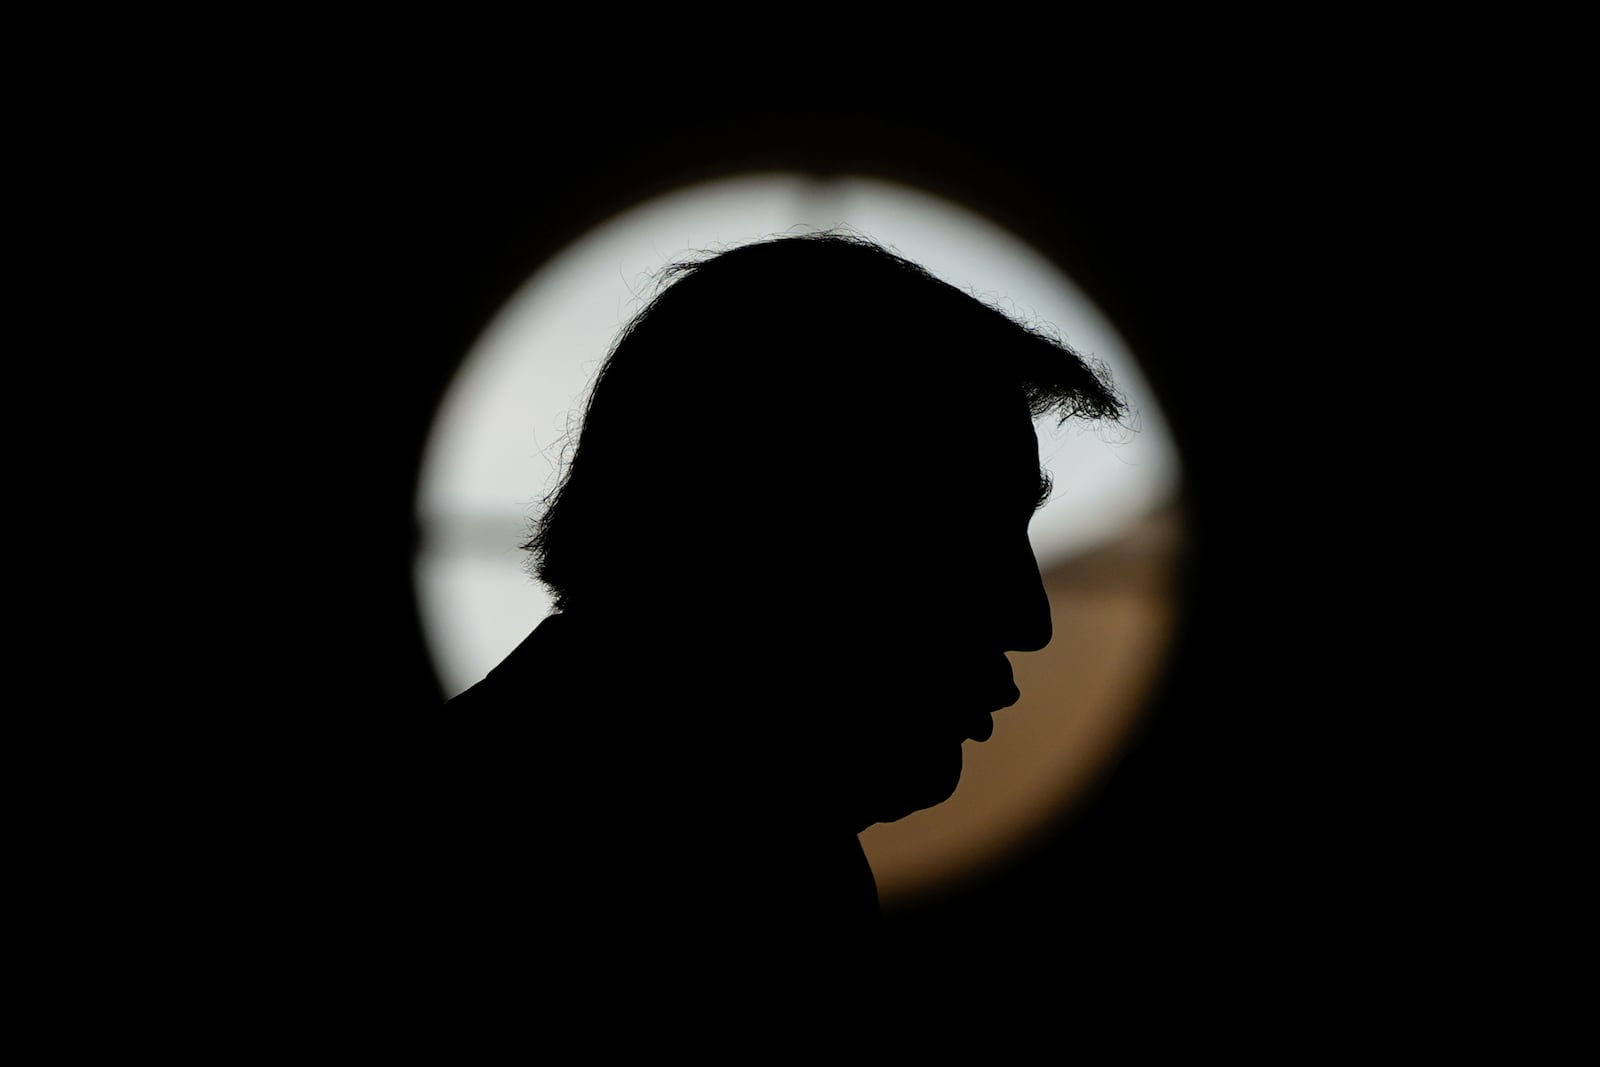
[936, 438]
[989, 448]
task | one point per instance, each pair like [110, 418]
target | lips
[981, 728]
[959, 704]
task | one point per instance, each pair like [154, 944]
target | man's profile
[689, 745]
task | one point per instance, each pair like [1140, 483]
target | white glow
[500, 432]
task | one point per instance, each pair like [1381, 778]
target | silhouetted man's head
[834, 651]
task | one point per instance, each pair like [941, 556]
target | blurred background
[1108, 541]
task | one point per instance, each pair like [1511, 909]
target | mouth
[981, 728]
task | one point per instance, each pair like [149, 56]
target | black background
[371, 239]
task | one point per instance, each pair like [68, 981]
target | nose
[1028, 614]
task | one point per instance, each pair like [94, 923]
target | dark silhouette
[686, 750]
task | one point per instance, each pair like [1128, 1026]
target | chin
[931, 782]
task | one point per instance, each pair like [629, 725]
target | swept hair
[792, 331]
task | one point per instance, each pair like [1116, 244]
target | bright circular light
[503, 427]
